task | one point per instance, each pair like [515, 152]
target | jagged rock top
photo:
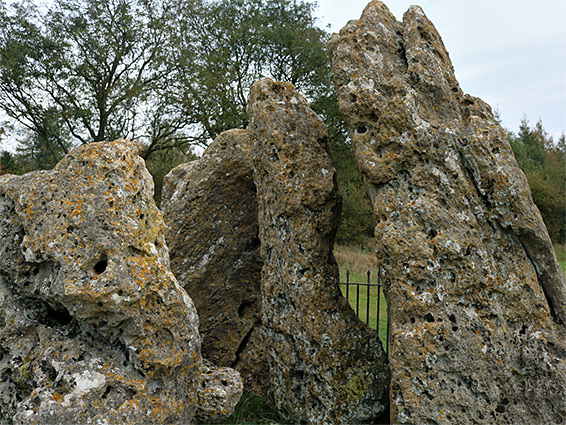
[397, 88]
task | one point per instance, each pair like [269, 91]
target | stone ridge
[93, 324]
[476, 297]
[210, 211]
[326, 366]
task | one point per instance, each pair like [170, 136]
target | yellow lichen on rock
[85, 275]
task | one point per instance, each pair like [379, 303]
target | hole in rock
[106, 392]
[57, 317]
[429, 318]
[100, 266]
[500, 409]
[362, 129]
[243, 309]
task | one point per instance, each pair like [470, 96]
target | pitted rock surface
[219, 391]
[326, 366]
[210, 211]
[475, 295]
[93, 325]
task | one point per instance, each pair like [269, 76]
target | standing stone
[475, 294]
[210, 211]
[93, 325]
[326, 366]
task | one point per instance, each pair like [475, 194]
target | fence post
[348, 285]
[367, 304]
[358, 300]
[378, 298]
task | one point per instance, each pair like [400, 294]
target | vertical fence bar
[348, 285]
[378, 299]
[358, 300]
[369, 293]
[367, 304]
[388, 334]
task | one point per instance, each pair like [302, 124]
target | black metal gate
[366, 300]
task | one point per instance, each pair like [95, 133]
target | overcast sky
[510, 53]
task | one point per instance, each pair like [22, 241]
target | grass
[561, 255]
[254, 410]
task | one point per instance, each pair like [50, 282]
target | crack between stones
[540, 282]
[242, 346]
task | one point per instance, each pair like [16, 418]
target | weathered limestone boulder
[326, 366]
[94, 328]
[476, 298]
[219, 392]
[210, 211]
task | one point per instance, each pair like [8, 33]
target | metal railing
[371, 297]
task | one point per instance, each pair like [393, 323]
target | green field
[561, 255]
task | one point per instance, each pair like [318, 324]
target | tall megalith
[476, 299]
[326, 366]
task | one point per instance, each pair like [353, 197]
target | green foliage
[224, 46]
[172, 73]
[160, 162]
[8, 164]
[544, 165]
[356, 222]
[253, 409]
[78, 71]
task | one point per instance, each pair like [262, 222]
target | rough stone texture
[210, 211]
[476, 298]
[326, 366]
[93, 326]
[219, 391]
